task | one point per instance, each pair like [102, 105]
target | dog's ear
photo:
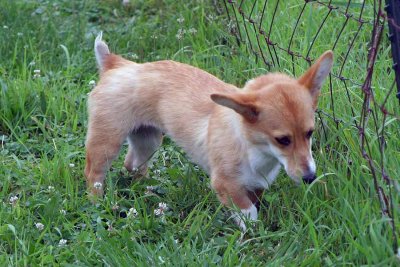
[316, 75]
[241, 103]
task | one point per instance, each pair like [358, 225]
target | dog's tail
[101, 51]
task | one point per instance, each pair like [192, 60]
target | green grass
[336, 221]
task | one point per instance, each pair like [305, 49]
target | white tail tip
[101, 50]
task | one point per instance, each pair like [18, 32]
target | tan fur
[227, 131]
[114, 62]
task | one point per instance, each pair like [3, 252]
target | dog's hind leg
[142, 143]
[104, 140]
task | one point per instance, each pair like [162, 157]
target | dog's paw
[240, 222]
[245, 217]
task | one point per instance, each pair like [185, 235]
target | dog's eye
[309, 134]
[285, 140]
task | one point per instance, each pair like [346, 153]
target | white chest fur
[260, 169]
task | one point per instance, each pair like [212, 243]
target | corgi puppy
[241, 137]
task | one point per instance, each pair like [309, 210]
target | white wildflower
[192, 31]
[134, 56]
[63, 212]
[132, 213]
[163, 205]
[39, 226]
[110, 228]
[158, 212]
[50, 188]
[231, 25]
[32, 63]
[62, 242]
[71, 165]
[36, 73]
[125, 2]
[180, 20]
[13, 200]
[5, 27]
[92, 84]
[20, 34]
[180, 34]
[149, 190]
[211, 17]
[97, 185]
[115, 207]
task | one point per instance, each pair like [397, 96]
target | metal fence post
[393, 17]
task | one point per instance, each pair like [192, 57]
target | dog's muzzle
[309, 178]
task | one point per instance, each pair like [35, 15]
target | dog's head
[278, 115]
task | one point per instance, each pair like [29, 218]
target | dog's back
[170, 96]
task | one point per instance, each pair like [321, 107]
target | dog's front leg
[256, 196]
[229, 192]
[245, 214]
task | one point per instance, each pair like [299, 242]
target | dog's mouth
[299, 179]
[309, 178]
[305, 179]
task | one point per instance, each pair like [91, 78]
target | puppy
[240, 137]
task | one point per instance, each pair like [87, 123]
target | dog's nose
[309, 178]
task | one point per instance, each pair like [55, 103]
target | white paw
[241, 217]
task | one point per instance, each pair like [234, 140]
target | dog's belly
[193, 140]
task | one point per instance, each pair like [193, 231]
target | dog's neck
[257, 161]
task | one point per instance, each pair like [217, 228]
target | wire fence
[366, 101]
